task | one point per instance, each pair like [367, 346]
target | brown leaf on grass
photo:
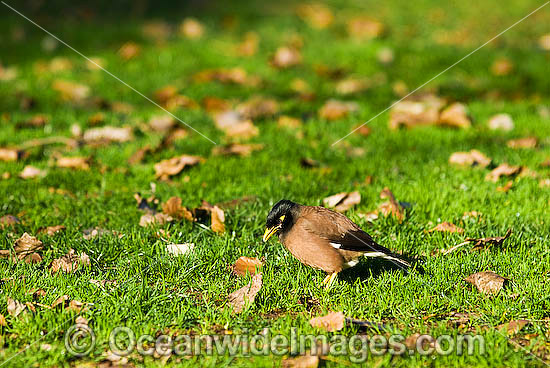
[410, 113]
[447, 227]
[391, 206]
[35, 121]
[487, 282]
[60, 301]
[51, 230]
[502, 67]
[8, 220]
[489, 241]
[513, 327]
[172, 207]
[162, 123]
[227, 76]
[175, 165]
[236, 149]
[472, 158]
[334, 321]
[70, 262]
[249, 44]
[217, 218]
[352, 85]
[301, 361]
[364, 28]
[10, 154]
[234, 126]
[26, 245]
[191, 28]
[239, 298]
[31, 172]
[316, 15]
[286, 57]
[215, 104]
[15, 307]
[108, 134]
[455, 115]
[164, 94]
[543, 183]
[245, 265]
[501, 122]
[502, 170]
[527, 142]
[334, 109]
[71, 91]
[156, 219]
[285, 121]
[258, 107]
[342, 202]
[129, 50]
[139, 155]
[506, 187]
[179, 249]
[75, 162]
[3, 321]
[544, 42]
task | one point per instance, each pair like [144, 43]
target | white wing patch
[375, 254]
[351, 263]
[336, 245]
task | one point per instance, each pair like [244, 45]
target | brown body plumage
[323, 239]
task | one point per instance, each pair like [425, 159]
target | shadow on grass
[373, 268]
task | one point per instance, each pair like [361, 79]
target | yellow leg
[329, 279]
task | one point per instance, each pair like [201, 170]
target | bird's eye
[282, 218]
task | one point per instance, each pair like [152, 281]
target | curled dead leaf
[301, 361]
[236, 149]
[249, 44]
[149, 219]
[506, 187]
[71, 91]
[513, 327]
[245, 265]
[334, 321]
[108, 134]
[10, 154]
[129, 50]
[15, 307]
[527, 142]
[217, 217]
[502, 170]
[501, 122]
[75, 162]
[51, 230]
[316, 15]
[286, 57]
[334, 109]
[8, 220]
[191, 28]
[31, 172]
[258, 107]
[364, 28]
[447, 227]
[489, 241]
[410, 113]
[175, 165]
[70, 262]
[472, 158]
[391, 207]
[342, 202]
[487, 282]
[455, 115]
[502, 67]
[352, 85]
[239, 298]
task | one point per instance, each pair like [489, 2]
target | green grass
[157, 293]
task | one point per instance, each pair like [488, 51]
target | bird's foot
[329, 280]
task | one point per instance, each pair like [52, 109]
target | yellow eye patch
[282, 218]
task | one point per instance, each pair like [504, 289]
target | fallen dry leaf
[129, 50]
[301, 361]
[71, 91]
[285, 121]
[175, 165]
[70, 262]
[286, 57]
[447, 227]
[239, 298]
[245, 265]
[502, 170]
[108, 134]
[162, 123]
[236, 149]
[217, 220]
[75, 162]
[391, 206]
[502, 67]
[543, 183]
[157, 30]
[3, 321]
[316, 15]
[342, 202]
[410, 113]
[179, 249]
[8, 220]
[191, 28]
[506, 187]
[334, 321]
[149, 219]
[31, 172]
[501, 122]
[334, 109]
[15, 307]
[456, 116]
[60, 301]
[351, 85]
[472, 158]
[249, 44]
[164, 94]
[258, 107]
[234, 125]
[527, 142]
[51, 230]
[172, 207]
[487, 282]
[10, 154]
[364, 28]
[26, 247]
[544, 42]
[489, 241]
[513, 327]
[232, 75]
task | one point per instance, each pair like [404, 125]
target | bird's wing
[342, 233]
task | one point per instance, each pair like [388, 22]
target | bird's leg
[329, 279]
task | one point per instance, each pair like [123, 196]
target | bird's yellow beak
[269, 232]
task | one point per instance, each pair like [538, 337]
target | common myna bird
[323, 239]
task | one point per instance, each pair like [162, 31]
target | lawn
[123, 274]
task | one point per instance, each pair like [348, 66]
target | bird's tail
[390, 257]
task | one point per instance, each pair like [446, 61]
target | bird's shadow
[374, 267]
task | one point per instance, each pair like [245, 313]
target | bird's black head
[280, 218]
